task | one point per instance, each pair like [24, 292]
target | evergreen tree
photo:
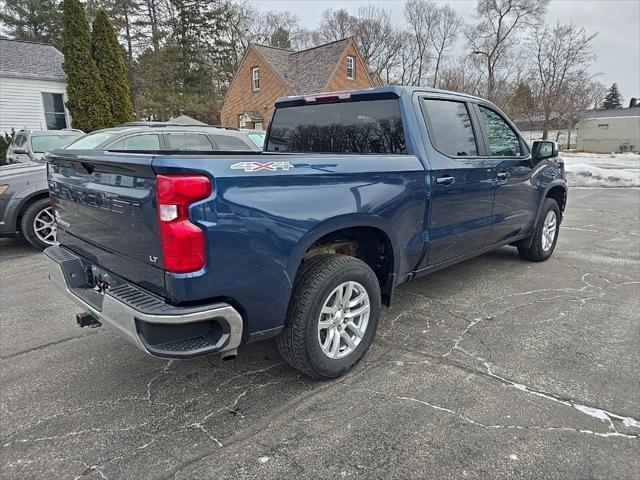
[87, 101]
[633, 102]
[522, 104]
[613, 98]
[280, 38]
[31, 20]
[108, 57]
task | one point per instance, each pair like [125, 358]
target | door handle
[446, 180]
[503, 175]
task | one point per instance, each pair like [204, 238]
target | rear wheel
[333, 316]
[545, 235]
[38, 225]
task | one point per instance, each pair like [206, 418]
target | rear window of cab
[372, 126]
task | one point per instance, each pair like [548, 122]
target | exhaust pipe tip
[229, 354]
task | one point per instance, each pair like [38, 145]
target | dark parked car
[356, 193]
[24, 197]
[30, 145]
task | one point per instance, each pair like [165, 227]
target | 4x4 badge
[257, 166]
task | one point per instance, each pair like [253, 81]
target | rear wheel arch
[371, 244]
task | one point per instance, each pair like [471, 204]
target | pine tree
[32, 20]
[87, 101]
[280, 38]
[522, 105]
[613, 98]
[633, 102]
[108, 57]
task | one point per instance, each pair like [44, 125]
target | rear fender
[340, 223]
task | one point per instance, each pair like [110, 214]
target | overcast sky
[616, 21]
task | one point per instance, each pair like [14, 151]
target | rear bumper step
[145, 320]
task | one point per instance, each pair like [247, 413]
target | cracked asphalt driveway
[494, 368]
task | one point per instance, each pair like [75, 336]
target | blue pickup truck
[355, 193]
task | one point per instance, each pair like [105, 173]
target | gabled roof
[185, 120]
[30, 60]
[304, 71]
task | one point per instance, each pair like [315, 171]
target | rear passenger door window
[137, 142]
[450, 128]
[503, 141]
[188, 141]
[229, 143]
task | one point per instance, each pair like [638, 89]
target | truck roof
[376, 92]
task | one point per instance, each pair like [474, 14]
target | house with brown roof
[266, 73]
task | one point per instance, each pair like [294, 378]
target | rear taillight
[183, 245]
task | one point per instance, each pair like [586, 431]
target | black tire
[28, 218]
[298, 342]
[535, 252]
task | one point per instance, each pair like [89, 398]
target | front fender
[559, 182]
[555, 183]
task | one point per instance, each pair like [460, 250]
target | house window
[54, 113]
[255, 78]
[603, 126]
[351, 68]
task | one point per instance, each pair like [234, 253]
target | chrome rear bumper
[143, 319]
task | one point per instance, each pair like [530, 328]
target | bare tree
[499, 23]
[578, 97]
[465, 74]
[562, 56]
[241, 16]
[374, 34]
[270, 25]
[152, 19]
[336, 25]
[443, 36]
[421, 17]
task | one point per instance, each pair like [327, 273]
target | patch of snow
[263, 459]
[513, 457]
[593, 412]
[602, 170]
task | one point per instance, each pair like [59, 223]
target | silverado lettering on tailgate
[94, 199]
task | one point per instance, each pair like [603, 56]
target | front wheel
[333, 316]
[545, 234]
[38, 224]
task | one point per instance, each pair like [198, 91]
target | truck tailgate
[105, 211]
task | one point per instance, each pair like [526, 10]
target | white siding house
[32, 87]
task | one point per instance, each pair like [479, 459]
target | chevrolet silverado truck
[186, 254]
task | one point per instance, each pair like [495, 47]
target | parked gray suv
[162, 137]
[30, 145]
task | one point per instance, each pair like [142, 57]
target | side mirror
[543, 149]
[19, 151]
